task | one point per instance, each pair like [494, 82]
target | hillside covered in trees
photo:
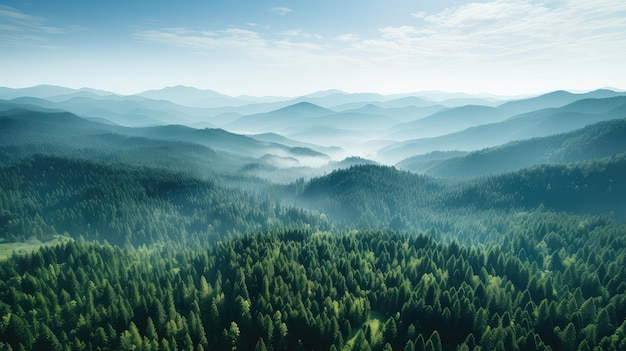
[175, 238]
[469, 272]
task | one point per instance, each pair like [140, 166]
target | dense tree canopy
[290, 289]
[47, 195]
[364, 258]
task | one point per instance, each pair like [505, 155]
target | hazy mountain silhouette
[557, 98]
[525, 126]
[279, 139]
[219, 139]
[324, 135]
[360, 122]
[277, 119]
[407, 101]
[29, 103]
[402, 114]
[447, 121]
[458, 102]
[352, 121]
[594, 141]
[37, 130]
[82, 94]
[128, 111]
[194, 97]
[329, 99]
[46, 91]
[423, 163]
[324, 93]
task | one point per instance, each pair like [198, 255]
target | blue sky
[294, 47]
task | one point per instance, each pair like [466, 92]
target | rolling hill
[402, 114]
[378, 196]
[25, 132]
[47, 91]
[279, 139]
[554, 99]
[598, 140]
[219, 139]
[192, 97]
[128, 111]
[447, 121]
[525, 126]
[275, 121]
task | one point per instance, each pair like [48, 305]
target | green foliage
[163, 260]
[371, 196]
[383, 197]
[46, 195]
[291, 289]
[592, 187]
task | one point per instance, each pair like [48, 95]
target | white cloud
[348, 37]
[292, 32]
[230, 38]
[312, 36]
[281, 10]
[502, 46]
[243, 44]
[398, 33]
[18, 28]
[300, 33]
[518, 30]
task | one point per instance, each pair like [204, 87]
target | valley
[186, 219]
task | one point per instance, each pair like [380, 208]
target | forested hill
[596, 186]
[46, 195]
[207, 153]
[378, 196]
[371, 196]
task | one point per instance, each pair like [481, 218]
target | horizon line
[334, 90]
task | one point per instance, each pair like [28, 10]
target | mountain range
[330, 124]
[26, 132]
[599, 140]
[538, 123]
[187, 219]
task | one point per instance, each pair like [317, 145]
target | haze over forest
[348, 185]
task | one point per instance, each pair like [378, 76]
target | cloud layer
[502, 46]
[514, 30]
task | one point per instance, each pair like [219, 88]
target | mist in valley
[343, 176]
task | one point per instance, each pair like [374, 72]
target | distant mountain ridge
[388, 128]
[538, 123]
[277, 119]
[47, 91]
[557, 98]
[448, 121]
[598, 140]
[194, 97]
[35, 130]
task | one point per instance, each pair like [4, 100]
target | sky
[296, 47]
